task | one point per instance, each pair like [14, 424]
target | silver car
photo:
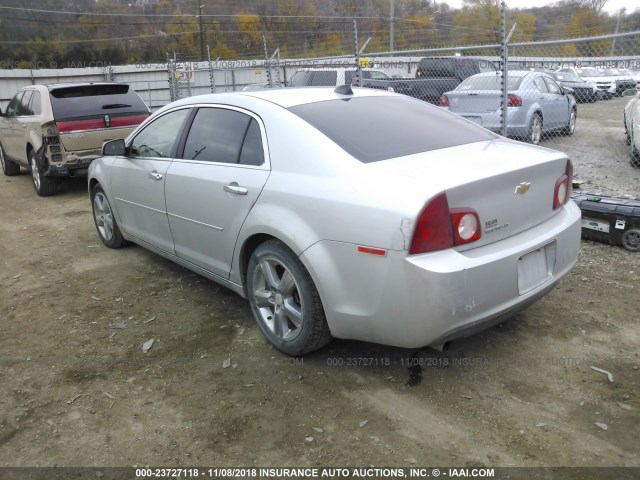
[536, 104]
[356, 214]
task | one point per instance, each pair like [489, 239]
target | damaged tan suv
[58, 130]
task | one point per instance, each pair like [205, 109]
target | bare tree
[595, 5]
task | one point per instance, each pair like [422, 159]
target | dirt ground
[77, 389]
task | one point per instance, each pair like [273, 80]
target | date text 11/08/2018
[290, 472]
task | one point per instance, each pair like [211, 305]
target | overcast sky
[612, 6]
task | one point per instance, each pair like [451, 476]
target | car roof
[55, 86]
[284, 97]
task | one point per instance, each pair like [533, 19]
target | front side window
[159, 138]
[553, 86]
[540, 85]
[224, 136]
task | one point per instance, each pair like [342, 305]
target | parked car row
[535, 104]
[342, 213]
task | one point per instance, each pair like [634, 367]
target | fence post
[267, 63]
[503, 60]
[356, 79]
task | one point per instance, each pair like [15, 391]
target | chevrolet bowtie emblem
[522, 188]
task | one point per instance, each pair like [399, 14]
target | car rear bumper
[414, 301]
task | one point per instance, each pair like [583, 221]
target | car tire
[44, 186]
[631, 240]
[284, 300]
[535, 129]
[571, 127]
[104, 220]
[9, 168]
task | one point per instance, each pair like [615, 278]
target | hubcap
[536, 130]
[35, 173]
[632, 240]
[276, 296]
[104, 217]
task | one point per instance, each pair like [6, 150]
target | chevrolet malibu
[355, 214]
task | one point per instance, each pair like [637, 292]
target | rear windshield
[490, 82]
[81, 101]
[378, 128]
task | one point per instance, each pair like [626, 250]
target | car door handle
[155, 175]
[233, 187]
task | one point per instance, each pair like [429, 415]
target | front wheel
[285, 301]
[106, 223]
[571, 126]
[44, 186]
[535, 129]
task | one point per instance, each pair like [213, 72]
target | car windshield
[568, 77]
[91, 100]
[378, 128]
[490, 82]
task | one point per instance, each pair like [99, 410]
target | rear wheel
[9, 168]
[631, 240]
[535, 129]
[44, 186]
[285, 301]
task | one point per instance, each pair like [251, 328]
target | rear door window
[25, 108]
[224, 136]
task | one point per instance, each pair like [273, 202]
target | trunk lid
[509, 184]
[480, 101]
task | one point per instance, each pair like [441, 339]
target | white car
[606, 84]
[357, 214]
[632, 124]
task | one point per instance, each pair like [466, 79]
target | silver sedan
[352, 214]
[536, 104]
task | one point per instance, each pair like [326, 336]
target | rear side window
[224, 136]
[25, 108]
[378, 128]
[81, 101]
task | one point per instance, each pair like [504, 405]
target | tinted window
[24, 108]
[377, 128]
[12, 108]
[216, 135]
[36, 103]
[92, 100]
[489, 82]
[159, 138]
[252, 152]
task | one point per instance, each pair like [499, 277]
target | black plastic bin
[613, 220]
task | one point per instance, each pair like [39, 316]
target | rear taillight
[562, 190]
[514, 101]
[444, 101]
[439, 227]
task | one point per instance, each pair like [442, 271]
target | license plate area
[536, 267]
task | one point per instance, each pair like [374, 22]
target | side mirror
[630, 92]
[114, 147]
